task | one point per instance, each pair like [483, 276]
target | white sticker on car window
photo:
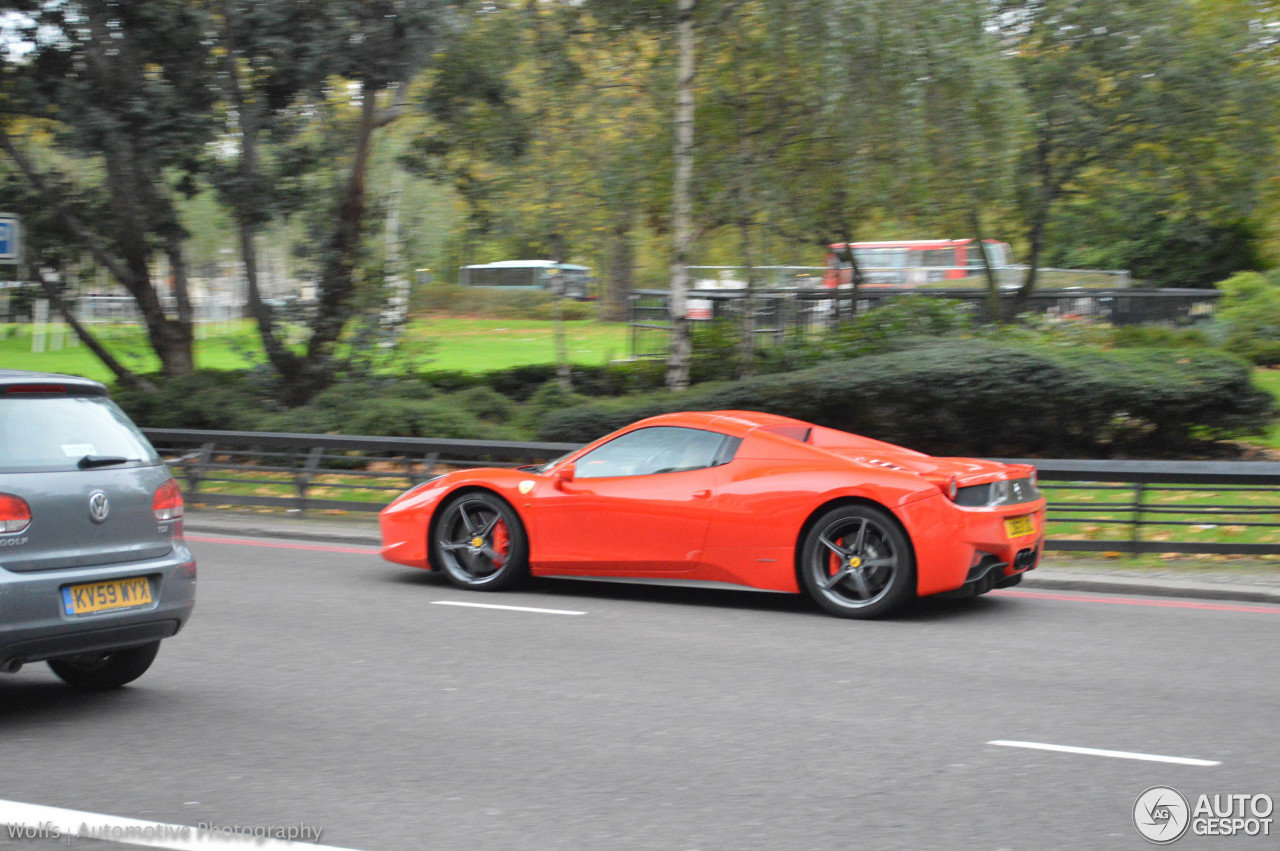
[78, 450]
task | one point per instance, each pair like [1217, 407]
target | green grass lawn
[1169, 513]
[441, 342]
[482, 345]
[225, 348]
[1269, 380]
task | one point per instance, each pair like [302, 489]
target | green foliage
[715, 351]
[550, 397]
[1250, 311]
[206, 399]
[1150, 133]
[896, 324]
[1102, 230]
[974, 397]
[484, 403]
[1038, 329]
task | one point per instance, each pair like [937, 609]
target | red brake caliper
[501, 543]
[833, 560]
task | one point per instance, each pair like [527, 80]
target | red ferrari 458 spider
[733, 496]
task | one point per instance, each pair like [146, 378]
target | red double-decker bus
[913, 262]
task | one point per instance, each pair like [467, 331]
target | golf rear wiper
[90, 461]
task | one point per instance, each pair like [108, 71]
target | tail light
[15, 514]
[23, 389]
[167, 503]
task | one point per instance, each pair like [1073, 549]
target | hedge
[974, 397]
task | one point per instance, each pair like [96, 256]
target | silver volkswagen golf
[94, 571]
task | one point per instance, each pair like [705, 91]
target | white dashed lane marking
[506, 608]
[1145, 757]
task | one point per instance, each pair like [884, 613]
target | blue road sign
[10, 239]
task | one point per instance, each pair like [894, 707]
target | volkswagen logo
[99, 507]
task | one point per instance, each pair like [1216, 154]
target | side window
[661, 449]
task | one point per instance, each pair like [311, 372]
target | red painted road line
[278, 545]
[1125, 601]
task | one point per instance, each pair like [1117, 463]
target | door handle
[706, 494]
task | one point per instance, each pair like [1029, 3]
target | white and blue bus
[565, 279]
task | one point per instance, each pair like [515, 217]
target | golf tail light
[36, 389]
[167, 503]
[15, 514]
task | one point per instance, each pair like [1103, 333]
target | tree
[1156, 97]
[123, 84]
[281, 60]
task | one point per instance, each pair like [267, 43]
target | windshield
[58, 432]
[541, 469]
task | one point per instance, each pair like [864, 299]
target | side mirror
[564, 473]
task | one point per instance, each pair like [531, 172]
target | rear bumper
[35, 626]
[956, 545]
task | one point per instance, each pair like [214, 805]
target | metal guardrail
[235, 461]
[1154, 499]
[1146, 502]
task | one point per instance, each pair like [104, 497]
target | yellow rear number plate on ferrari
[1016, 527]
[105, 596]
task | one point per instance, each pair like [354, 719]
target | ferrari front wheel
[856, 562]
[480, 542]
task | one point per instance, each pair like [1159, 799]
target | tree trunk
[1048, 192]
[135, 199]
[680, 351]
[855, 275]
[993, 286]
[564, 374]
[122, 373]
[286, 365]
[337, 280]
[747, 340]
[395, 310]
[618, 277]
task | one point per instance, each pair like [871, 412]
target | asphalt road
[318, 686]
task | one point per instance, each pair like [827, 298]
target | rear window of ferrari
[40, 432]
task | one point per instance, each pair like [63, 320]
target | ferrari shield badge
[526, 486]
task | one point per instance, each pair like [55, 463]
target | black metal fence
[1223, 507]
[775, 313]
[321, 471]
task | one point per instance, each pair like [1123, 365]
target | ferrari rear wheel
[480, 542]
[856, 562]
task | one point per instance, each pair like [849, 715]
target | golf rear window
[54, 432]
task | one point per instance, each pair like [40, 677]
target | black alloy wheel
[480, 542]
[856, 562]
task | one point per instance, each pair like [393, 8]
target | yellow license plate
[105, 596]
[1016, 527]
